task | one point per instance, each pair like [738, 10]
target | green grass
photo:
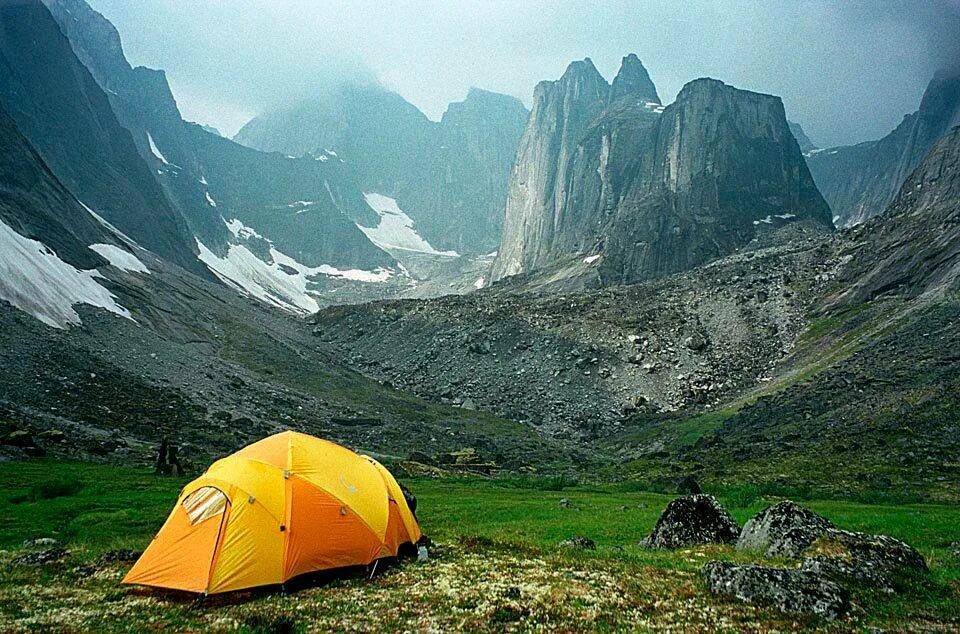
[488, 528]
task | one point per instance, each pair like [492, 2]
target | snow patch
[210, 200]
[767, 221]
[251, 276]
[590, 259]
[240, 230]
[395, 229]
[123, 260]
[281, 283]
[479, 283]
[203, 180]
[156, 151]
[786, 216]
[36, 281]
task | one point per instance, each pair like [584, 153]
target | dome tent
[284, 506]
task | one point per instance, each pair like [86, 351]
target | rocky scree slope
[640, 190]
[580, 363]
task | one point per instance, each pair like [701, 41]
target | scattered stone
[121, 555]
[787, 590]
[690, 520]
[785, 529]
[40, 542]
[41, 557]
[565, 503]
[579, 542]
[695, 342]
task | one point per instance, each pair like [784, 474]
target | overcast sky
[848, 70]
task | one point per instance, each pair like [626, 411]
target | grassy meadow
[497, 563]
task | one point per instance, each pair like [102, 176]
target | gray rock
[785, 589]
[875, 560]
[40, 542]
[690, 520]
[41, 557]
[782, 530]
[579, 542]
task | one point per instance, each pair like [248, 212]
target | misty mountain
[59, 108]
[636, 190]
[449, 176]
[913, 248]
[275, 227]
[859, 181]
[806, 145]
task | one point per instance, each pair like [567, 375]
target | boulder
[875, 560]
[690, 520]
[40, 542]
[53, 435]
[785, 589]
[19, 438]
[579, 542]
[782, 530]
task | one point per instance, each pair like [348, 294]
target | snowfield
[123, 260]
[35, 280]
[394, 231]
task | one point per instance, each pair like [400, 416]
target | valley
[548, 318]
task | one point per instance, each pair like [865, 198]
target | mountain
[448, 176]
[913, 248]
[859, 181]
[626, 189]
[59, 108]
[284, 230]
[562, 111]
[806, 145]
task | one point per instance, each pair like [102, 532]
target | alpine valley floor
[496, 564]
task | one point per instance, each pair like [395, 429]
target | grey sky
[848, 70]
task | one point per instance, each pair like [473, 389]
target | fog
[847, 71]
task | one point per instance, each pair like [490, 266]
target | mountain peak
[633, 79]
[582, 69]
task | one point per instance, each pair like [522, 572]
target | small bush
[539, 483]
[49, 490]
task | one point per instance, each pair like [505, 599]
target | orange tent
[283, 506]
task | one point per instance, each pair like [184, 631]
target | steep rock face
[562, 111]
[914, 247]
[645, 191]
[58, 106]
[37, 206]
[859, 181]
[449, 176]
[633, 80]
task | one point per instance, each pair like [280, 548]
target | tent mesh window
[204, 503]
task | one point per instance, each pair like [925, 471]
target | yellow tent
[283, 506]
